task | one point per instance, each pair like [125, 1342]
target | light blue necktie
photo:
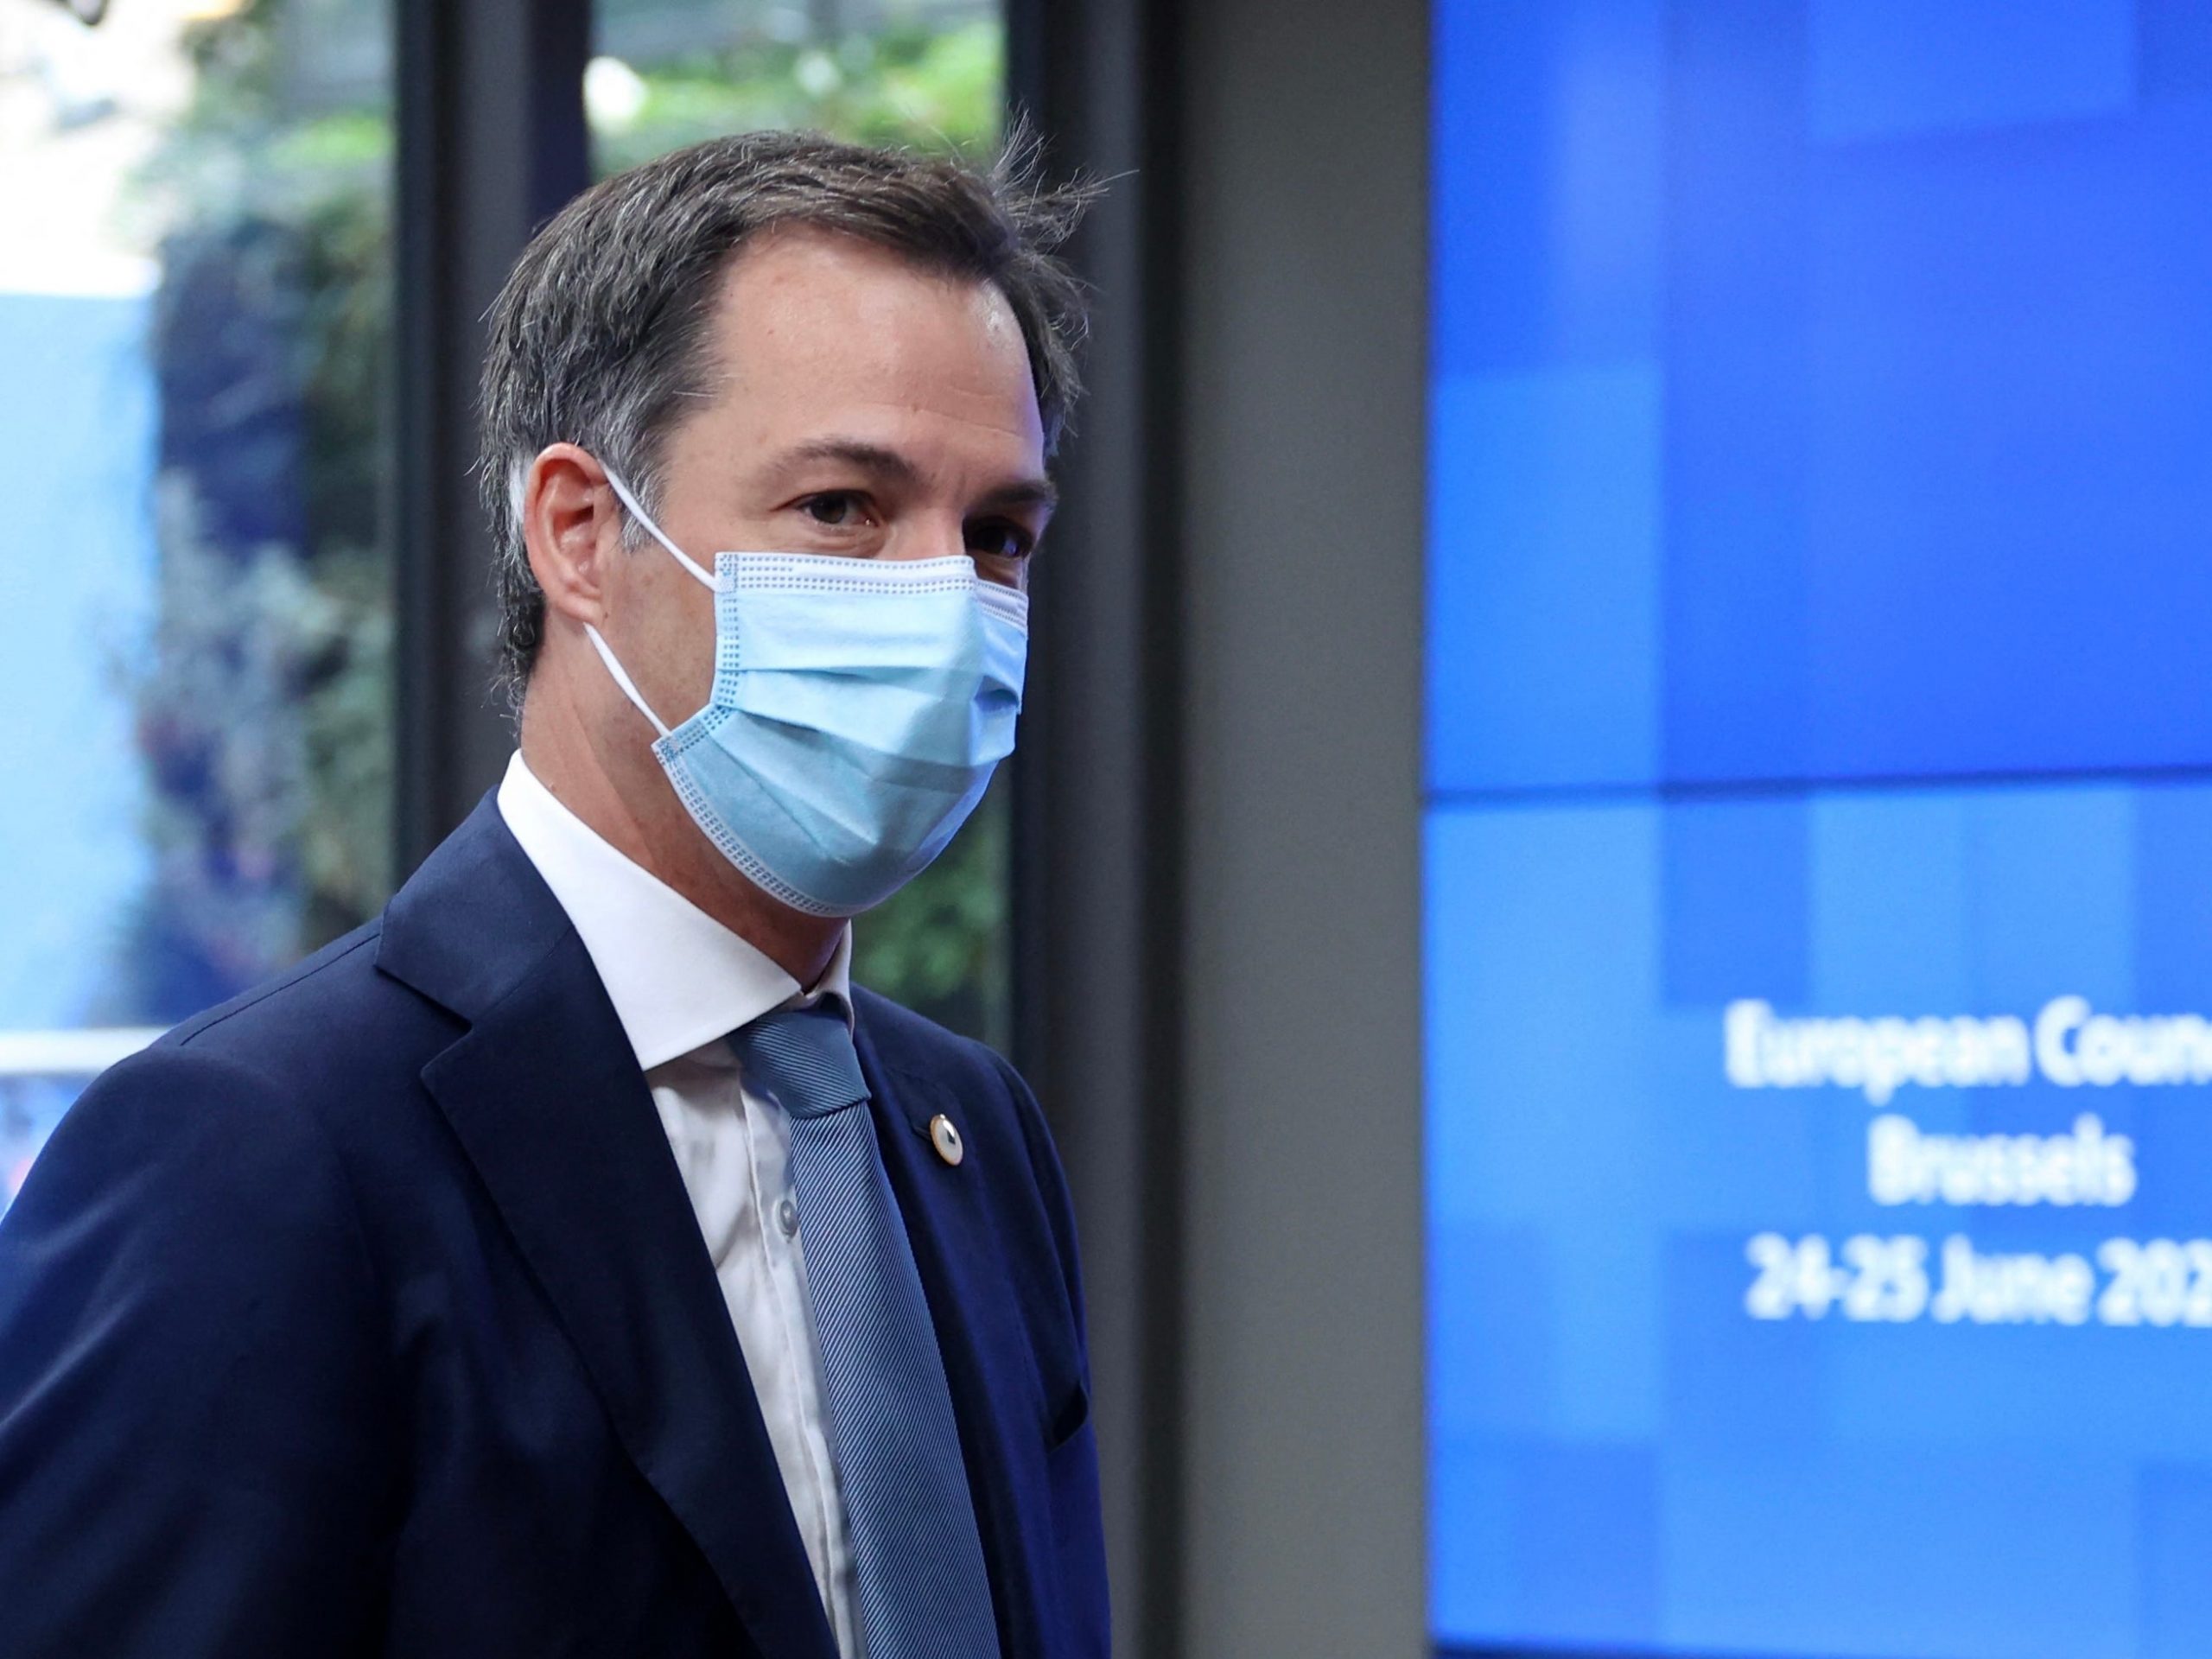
[917, 1560]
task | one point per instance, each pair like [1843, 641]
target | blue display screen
[1819, 829]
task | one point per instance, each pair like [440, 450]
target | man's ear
[572, 525]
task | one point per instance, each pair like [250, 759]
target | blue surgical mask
[858, 711]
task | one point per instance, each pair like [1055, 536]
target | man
[573, 1261]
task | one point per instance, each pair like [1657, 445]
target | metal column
[492, 143]
[1097, 867]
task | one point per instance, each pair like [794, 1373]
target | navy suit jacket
[368, 1314]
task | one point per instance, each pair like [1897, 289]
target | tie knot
[803, 1059]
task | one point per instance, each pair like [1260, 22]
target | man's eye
[999, 539]
[837, 510]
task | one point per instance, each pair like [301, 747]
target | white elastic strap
[622, 493]
[622, 679]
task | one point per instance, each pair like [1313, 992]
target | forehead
[811, 325]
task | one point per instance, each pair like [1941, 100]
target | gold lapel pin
[946, 1139]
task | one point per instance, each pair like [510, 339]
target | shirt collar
[679, 979]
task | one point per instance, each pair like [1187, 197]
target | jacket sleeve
[192, 1456]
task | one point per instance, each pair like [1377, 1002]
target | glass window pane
[928, 73]
[195, 605]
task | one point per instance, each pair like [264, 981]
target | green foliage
[933, 89]
[942, 944]
[266, 703]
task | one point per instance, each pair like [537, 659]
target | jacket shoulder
[235, 1112]
[190, 1315]
[332, 1026]
[915, 1045]
[918, 1050]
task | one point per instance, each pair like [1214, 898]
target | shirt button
[787, 1218]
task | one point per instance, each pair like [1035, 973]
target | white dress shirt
[681, 982]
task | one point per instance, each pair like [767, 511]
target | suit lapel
[545, 1098]
[979, 1332]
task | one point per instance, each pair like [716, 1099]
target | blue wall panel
[1821, 560]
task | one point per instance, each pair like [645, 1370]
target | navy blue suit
[368, 1314]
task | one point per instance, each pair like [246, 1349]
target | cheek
[675, 635]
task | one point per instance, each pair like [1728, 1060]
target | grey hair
[601, 332]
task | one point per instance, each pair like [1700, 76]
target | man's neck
[643, 821]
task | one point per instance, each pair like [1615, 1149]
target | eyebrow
[875, 459]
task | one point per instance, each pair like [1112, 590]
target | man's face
[856, 406]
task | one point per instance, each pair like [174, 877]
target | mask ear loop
[622, 495]
[629, 688]
[606, 655]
